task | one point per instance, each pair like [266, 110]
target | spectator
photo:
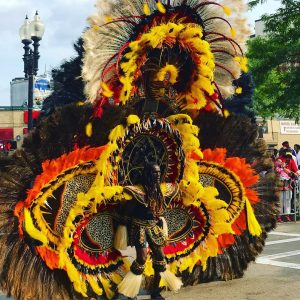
[274, 155]
[290, 164]
[285, 146]
[285, 165]
[281, 170]
[297, 154]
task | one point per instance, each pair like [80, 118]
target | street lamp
[31, 31]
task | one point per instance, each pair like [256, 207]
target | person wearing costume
[158, 79]
[146, 229]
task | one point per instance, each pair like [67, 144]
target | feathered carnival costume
[157, 75]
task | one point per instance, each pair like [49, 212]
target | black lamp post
[31, 31]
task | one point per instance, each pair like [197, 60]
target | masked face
[156, 173]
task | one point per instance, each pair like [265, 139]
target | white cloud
[12, 4]
[64, 20]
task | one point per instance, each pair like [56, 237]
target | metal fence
[290, 200]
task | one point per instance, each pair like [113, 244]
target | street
[275, 275]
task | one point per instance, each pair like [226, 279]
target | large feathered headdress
[186, 51]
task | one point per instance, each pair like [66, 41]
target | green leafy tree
[275, 63]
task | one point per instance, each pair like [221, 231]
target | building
[14, 118]
[276, 131]
[259, 28]
[19, 91]
[13, 126]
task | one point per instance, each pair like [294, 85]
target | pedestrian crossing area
[280, 248]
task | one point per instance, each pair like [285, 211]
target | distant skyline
[65, 21]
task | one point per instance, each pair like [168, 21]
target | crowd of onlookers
[287, 167]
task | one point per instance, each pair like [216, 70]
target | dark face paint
[156, 174]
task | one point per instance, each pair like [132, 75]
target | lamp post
[31, 31]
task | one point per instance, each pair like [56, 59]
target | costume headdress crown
[186, 51]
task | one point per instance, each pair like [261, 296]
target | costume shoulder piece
[157, 74]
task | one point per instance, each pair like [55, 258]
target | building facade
[19, 91]
[277, 131]
[13, 126]
[14, 118]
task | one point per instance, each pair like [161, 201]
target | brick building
[13, 126]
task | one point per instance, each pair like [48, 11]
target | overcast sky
[64, 21]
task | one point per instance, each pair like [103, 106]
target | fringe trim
[130, 285]
[165, 227]
[174, 283]
[121, 238]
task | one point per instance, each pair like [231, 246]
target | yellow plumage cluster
[169, 70]
[190, 37]
[86, 203]
[31, 230]
[239, 200]
[194, 194]
[161, 7]
[103, 189]
[146, 9]
[106, 91]
[243, 61]
[191, 144]
[218, 224]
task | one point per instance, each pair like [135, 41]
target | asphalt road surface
[274, 275]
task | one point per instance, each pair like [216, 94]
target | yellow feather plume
[227, 10]
[212, 246]
[226, 113]
[115, 277]
[147, 11]
[149, 271]
[221, 228]
[168, 69]
[108, 19]
[181, 118]
[238, 90]
[31, 230]
[132, 119]
[79, 284]
[94, 285]
[89, 129]
[106, 286]
[191, 191]
[253, 225]
[161, 7]
[233, 32]
[106, 91]
[243, 61]
[117, 133]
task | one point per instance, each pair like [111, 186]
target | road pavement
[274, 275]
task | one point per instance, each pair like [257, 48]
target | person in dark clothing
[146, 227]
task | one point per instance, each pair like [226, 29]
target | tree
[275, 63]
[67, 82]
